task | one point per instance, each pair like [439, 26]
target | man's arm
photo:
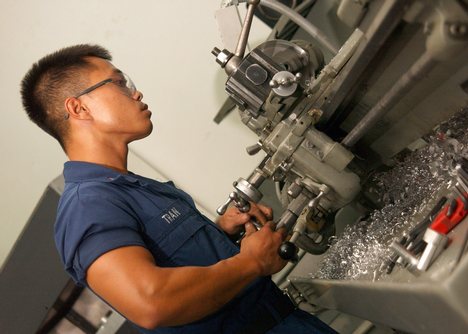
[150, 296]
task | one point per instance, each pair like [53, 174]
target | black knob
[288, 251]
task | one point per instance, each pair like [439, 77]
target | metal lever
[285, 80]
[254, 149]
[222, 209]
[230, 62]
[284, 83]
[315, 201]
[244, 35]
[239, 202]
[244, 193]
[288, 249]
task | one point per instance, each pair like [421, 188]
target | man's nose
[138, 95]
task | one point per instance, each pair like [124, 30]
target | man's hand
[233, 220]
[262, 246]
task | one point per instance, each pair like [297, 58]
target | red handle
[444, 224]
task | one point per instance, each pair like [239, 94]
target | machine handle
[244, 35]
[288, 251]
[222, 209]
[239, 202]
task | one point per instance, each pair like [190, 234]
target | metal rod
[256, 178]
[244, 35]
[421, 67]
[403, 252]
[289, 216]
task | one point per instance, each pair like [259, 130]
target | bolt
[458, 29]
[297, 77]
[215, 51]
[315, 114]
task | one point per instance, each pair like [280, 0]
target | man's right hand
[262, 247]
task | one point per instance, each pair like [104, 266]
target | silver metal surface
[111, 324]
[410, 259]
[248, 190]
[420, 68]
[435, 244]
[290, 56]
[436, 301]
[383, 22]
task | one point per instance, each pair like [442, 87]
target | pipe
[280, 277]
[416, 72]
[244, 35]
[301, 22]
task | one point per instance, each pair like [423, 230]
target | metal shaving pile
[407, 192]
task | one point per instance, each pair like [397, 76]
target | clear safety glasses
[124, 83]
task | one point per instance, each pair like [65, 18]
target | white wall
[165, 47]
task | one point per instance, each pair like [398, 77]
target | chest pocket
[181, 236]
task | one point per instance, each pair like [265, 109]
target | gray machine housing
[358, 84]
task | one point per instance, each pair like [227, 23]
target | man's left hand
[233, 220]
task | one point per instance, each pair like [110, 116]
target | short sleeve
[88, 226]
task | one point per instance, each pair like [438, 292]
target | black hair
[51, 80]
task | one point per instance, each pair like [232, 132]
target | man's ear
[76, 109]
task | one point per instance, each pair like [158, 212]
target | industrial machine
[355, 87]
[361, 113]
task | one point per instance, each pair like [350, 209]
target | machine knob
[284, 83]
[239, 202]
[222, 209]
[254, 149]
[288, 251]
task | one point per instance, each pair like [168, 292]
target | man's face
[115, 112]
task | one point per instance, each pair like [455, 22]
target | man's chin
[144, 134]
[148, 132]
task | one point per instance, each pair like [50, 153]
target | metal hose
[301, 22]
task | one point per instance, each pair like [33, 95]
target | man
[141, 245]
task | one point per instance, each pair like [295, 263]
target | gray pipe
[423, 65]
[301, 22]
[244, 35]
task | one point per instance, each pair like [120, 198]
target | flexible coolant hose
[301, 22]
